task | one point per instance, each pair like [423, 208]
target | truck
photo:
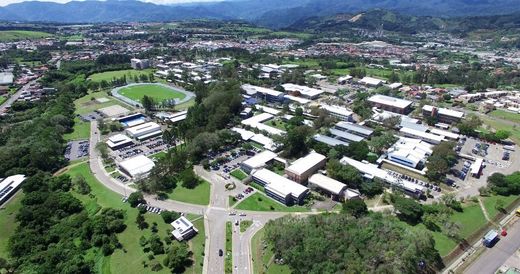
[490, 238]
[510, 148]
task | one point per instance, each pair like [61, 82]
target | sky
[7, 2]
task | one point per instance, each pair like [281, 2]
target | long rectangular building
[304, 167]
[391, 104]
[280, 188]
[9, 186]
[425, 136]
[443, 115]
[144, 131]
[355, 129]
[258, 161]
[335, 188]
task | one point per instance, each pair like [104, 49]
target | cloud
[161, 2]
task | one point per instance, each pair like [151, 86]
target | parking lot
[76, 150]
[147, 147]
[225, 163]
[93, 116]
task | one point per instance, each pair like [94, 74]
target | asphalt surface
[493, 258]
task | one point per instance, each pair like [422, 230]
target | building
[119, 141]
[140, 63]
[258, 161]
[447, 134]
[6, 78]
[410, 152]
[355, 129]
[425, 136]
[371, 171]
[144, 131]
[345, 79]
[257, 122]
[442, 115]
[303, 168]
[138, 166]
[9, 186]
[267, 94]
[280, 188]
[339, 112]
[337, 190]
[305, 92]
[183, 229]
[329, 140]
[476, 167]
[391, 104]
[371, 82]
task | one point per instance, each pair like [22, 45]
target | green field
[81, 130]
[239, 174]
[471, 219]
[110, 75]
[87, 104]
[16, 35]
[8, 222]
[129, 259]
[228, 263]
[244, 225]
[157, 92]
[2, 99]
[263, 257]
[260, 202]
[199, 195]
[490, 203]
[506, 115]
[497, 125]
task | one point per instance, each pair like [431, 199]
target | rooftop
[260, 159]
[303, 164]
[143, 128]
[327, 183]
[444, 111]
[280, 184]
[305, 91]
[391, 101]
[355, 128]
[137, 165]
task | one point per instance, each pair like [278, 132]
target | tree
[408, 210]
[189, 179]
[371, 188]
[296, 143]
[177, 257]
[135, 198]
[355, 207]
[148, 103]
[344, 173]
[169, 216]
[504, 185]
[500, 205]
[81, 185]
[502, 134]
[156, 245]
[140, 221]
[378, 144]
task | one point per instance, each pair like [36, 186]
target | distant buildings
[119, 141]
[391, 104]
[9, 186]
[371, 82]
[140, 63]
[305, 92]
[410, 152]
[136, 167]
[303, 168]
[442, 115]
[183, 229]
[267, 94]
[144, 131]
[6, 78]
[280, 188]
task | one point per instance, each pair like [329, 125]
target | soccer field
[110, 75]
[157, 92]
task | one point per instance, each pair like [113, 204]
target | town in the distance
[369, 142]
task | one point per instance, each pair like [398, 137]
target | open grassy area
[506, 115]
[263, 255]
[404, 171]
[8, 222]
[471, 219]
[2, 99]
[158, 92]
[110, 75]
[129, 259]
[244, 225]
[16, 35]
[260, 202]
[231, 201]
[497, 125]
[199, 195]
[277, 124]
[81, 130]
[491, 201]
[87, 103]
[228, 263]
[239, 174]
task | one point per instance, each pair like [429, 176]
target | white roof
[257, 119]
[137, 165]
[182, 224]
[280, 184]
[265, 141]
[252, 90]
[371, 81]
[306, 91]
[349, 137]
[260, 159]
[329, 140]
[337, 110]
[444, 111]
[245, 134]
[269, 110]
[475, 167]
[445, 133]
[144, 128]
[395, 85]
[10, 184]
[412, 149]
[390, 101]
[117, 140]
[327, 183]
[303, 164]
[6, 78]
[300, 100]
[422, 135]
[354, 128]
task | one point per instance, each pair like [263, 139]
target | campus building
[354, 129]
[339, 112]
[183, 229]
[9, 186]
[138, 166]
[371, 82]
[119, 141]
[140, 63]
[344, 133]
[258, 161]
[303, 168]
[410, 152]
[280, 188]
[305, 92]
[144, 131]
[267, 94]
[391, 104]
[443, 115]
[337, 190]
[422, 135]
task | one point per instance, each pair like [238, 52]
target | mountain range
[270, 13]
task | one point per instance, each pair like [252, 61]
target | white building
[301, 169]
[391, 104]
[339, 112]
[280, 188]
[425, 136]
[140, 63]
[306, 92]
[258, 161]
[372, 82]
[144, 131]
[138, 166]
[9, 186]
[409, 152]
[183, 229]
[118, 141]
[335, 188]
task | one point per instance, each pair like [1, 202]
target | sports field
[158, 92]
[15, 35]
[110, 75]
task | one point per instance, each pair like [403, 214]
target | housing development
[345, 143]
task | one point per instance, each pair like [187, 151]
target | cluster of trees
[339, 243]
[442, 159]
[504, 184]
[55, 231]
[353, 179]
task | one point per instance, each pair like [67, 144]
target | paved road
[15, 96]
[494, 257]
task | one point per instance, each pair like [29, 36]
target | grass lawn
[471, 219]
[404, 171]
[15, 35]
[199, 195]
[2, 99]
[244, 225]
[260, 202]
[158, 92]
[81, 130]
[239, 174]
[129, 259]
[506, 115]
[277, 124]
[185, 105]
[87, 103]
[515, 130]
[443, 243]
[232, 200]
[228, 263]
[8, 222]
[109, 75]
[263, 256]
[490, 202]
